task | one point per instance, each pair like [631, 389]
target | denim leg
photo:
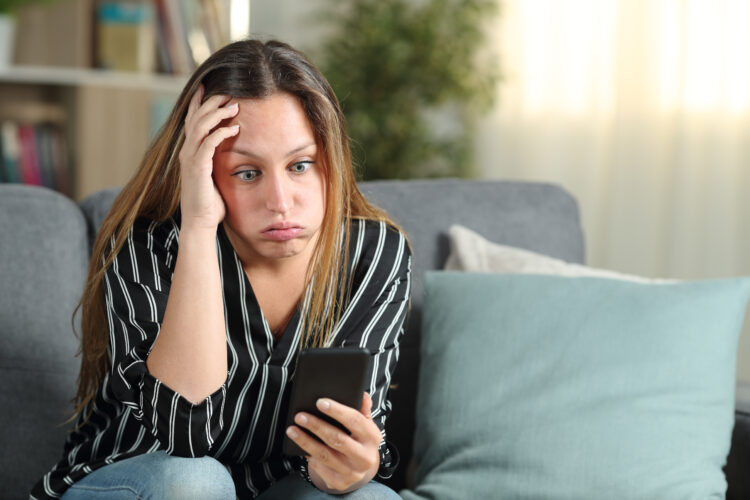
[293, 487]
[156, 476]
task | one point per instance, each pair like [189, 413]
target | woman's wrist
[314, 478]
[194, 230]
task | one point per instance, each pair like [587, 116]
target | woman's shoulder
[147, 230]
[148, 225]
[149, 246]
[376, 230]
[376, 242]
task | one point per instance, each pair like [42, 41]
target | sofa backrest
[535, 216]
[43, 264]
[44, 250]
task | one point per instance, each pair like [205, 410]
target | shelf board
[49, 75]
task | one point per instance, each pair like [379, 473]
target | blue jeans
[159, 476]
[293, 486]
[156, 476]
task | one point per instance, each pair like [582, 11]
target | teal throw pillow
[547, 387]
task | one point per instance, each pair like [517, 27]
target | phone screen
[334, 373]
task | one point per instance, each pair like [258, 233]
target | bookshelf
[51, 75]
[104, 118]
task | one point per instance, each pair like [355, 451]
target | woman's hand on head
[343, 462]
[201, 203]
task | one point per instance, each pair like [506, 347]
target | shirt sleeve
[374, 318]
[136, 288]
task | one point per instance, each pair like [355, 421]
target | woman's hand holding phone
[341, 463]
[201, 204]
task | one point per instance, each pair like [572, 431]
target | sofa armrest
[738, 461]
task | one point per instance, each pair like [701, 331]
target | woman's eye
[247, 175]
[301, 167]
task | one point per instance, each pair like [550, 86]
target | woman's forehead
[274, 124]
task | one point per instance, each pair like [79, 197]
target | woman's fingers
[206, 150]
[314, 448]
[340, 459]
[201, 126]
[195, 102]
[361, 426]
[338, 450]
[206, 123]
[200, 199]
[199, 109]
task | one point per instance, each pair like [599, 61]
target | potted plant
[412, 77]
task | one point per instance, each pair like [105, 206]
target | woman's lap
[294, 487]
[156, 476]
[160, 476]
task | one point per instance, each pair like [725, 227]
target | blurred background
[639, 108]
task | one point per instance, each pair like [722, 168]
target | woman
[241, 240]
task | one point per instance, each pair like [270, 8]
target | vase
[7, 39]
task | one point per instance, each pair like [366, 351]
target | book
[195, 33]
[60, 161]
[43, 134]
[215, 37]
[50, 33]
[162, 37]
[29, 159]
[179, 51]
[11, 151]
[126, 33]
[189, 31]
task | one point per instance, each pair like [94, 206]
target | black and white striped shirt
[242, 423]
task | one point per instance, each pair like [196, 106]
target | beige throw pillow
[472, 252]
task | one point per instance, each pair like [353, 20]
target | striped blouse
[242, 423]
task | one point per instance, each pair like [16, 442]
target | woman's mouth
[282, 231]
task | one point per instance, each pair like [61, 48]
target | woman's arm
[164, 305]
[190, 353]
[137, 289]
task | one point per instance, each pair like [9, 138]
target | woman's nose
[278, 195]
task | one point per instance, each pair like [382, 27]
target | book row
[34, 154]
[171, 36]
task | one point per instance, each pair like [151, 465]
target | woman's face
[271, 181]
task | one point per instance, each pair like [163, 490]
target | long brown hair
[247, 69]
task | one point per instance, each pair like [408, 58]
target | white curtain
[641, 109]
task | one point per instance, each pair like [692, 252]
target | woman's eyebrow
[250, 154]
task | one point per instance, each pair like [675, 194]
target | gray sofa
[44, 244]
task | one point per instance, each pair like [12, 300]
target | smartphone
[339, 374]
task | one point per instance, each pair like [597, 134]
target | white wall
[286, 20]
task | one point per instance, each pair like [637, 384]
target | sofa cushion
[470, 251]
[43, 264]
[552, 387]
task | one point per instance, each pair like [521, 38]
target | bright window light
[690, 55]
[239, 19]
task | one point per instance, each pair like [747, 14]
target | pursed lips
[282, 231]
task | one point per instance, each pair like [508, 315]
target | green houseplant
[411, 76]
[8, 7]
